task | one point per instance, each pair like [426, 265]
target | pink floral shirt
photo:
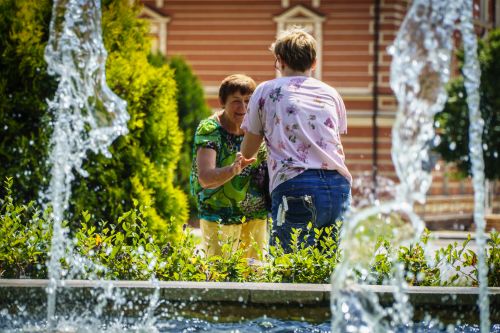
[301, 119]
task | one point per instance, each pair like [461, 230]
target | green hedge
[453, 122]
[129, 252]
[144, 162]
[192, 108]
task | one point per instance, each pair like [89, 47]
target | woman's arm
[209, 176]
[250, 145]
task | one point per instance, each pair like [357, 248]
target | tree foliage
[127, 250]
[192, 108]
[453, 121]
[24, 88]
[142, 168]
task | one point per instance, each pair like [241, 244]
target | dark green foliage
[127, 250]
[24, 238]
[493, 259]
[192, 108]
[453, 121]
[24, 88]
[304, 264]
[143, 163]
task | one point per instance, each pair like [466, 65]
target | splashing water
[419, 71]
[88, 115]
[472, 74]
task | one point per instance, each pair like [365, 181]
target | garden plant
[126, 250]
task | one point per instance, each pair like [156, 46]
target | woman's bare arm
[209, 176]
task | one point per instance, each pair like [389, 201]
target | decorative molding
[484, 14]
[285, 3]
[211, 90]
[354, 92]
[158, 28]
[497, 14]
[316, 3]
[159, 3]
[347, 93]
[311, 21]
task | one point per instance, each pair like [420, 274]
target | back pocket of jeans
[300, 210]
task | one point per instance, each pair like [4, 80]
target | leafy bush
[453, 122]
[192, 108]
[128, 251]
[24, 238]
[304, 264]
[24, 88]
[144, 161]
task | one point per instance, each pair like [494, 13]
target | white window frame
[158, 27]
[484, 9]
[286, 3]
[497, 14]
[302, 16]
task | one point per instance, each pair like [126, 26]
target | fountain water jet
[420, 70]
[103, 120]
[88, 115]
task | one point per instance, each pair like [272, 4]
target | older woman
[229, 190]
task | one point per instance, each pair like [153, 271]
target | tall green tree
[192, 108]
[24, 88]
[142, 168]
[453, 122]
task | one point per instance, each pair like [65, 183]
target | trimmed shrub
[192, 108]
[24, 88]
[453, 122]
[125, 249]
[143, 164]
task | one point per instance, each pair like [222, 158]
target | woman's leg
[318, 197]
[214, 235]
[293, 208]
[254, 238]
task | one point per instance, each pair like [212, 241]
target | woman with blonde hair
[301, 119]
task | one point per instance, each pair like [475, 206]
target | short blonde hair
[296, 48]
[236, 83]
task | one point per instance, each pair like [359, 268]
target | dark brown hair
[236, 83]
[296, 48]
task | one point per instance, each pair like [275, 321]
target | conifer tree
[192, 108]
[142, 168]
[453, 122]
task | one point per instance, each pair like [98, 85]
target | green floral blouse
[244, 196]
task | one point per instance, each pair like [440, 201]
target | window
[497, 14]
[310, 21]
[158, 30]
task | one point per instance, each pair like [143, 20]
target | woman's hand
[210, 176]
[241, 163]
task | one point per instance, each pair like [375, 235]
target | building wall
[223, 37]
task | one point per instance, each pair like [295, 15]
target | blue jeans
[318, 196]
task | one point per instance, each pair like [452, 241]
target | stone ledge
[268, 293]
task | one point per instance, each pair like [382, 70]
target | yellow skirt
[251, 236]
